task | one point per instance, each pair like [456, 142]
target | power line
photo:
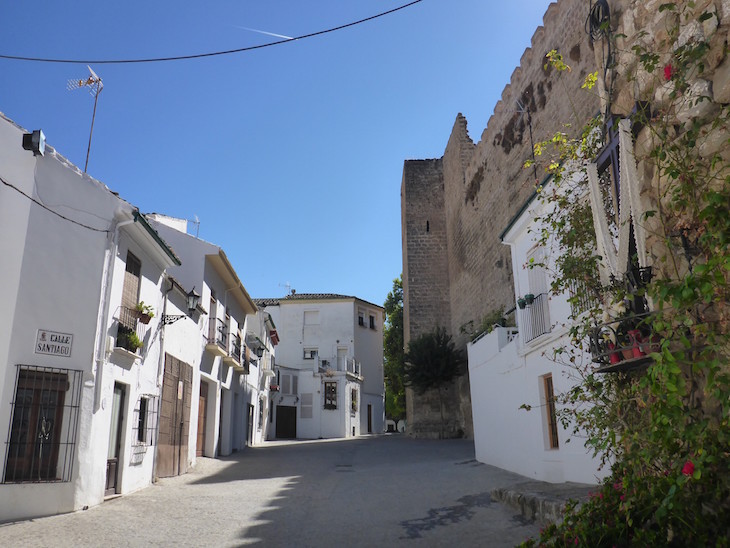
[209, 54]
[49, 209]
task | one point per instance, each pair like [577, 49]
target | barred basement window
[145, 420]
[43, 425]
[330, 395]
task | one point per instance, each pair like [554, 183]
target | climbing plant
[663, 429]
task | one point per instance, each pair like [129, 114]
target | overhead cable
[3, 181]
[202, 55]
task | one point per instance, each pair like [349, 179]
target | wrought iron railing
[236, 348]
[535, 318]
[217, 333]
[130, 332]
[623, 343]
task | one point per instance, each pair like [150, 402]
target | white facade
[512, 367]
[227, 388]
[329, 366]
[66, 382]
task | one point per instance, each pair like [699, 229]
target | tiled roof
[308, 297]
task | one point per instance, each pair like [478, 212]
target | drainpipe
[101, 321]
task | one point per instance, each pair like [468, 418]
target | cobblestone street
[373, 491]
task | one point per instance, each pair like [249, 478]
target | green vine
[662, 429]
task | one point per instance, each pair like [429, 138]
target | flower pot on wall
[529, 298]
[521, 303]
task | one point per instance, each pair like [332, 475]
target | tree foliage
[665, 429]
[395, 396]
[432, 361]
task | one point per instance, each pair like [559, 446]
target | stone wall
[455, 268]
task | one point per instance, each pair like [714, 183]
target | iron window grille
[43, 425]
[330, 395]
[145, 421]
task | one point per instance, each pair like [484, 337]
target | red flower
[688, 468]
[668, 72]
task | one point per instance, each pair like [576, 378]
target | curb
[541, 502]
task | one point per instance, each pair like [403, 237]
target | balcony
[342, 364]
[130, 332]
[535, 318]
[235, 358]
[623, 344]
[217, 338]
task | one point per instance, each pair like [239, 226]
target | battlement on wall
[459, 271]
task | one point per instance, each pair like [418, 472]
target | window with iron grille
[330, 395]
[353, 400]
[43, 425]
[372, 321]
[551, 415]
[145, 420]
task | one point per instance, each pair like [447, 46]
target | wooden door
[115, 441]
[202, 412]
[286, 422]
[174, 434]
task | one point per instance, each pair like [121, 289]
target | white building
[79, 370]
[226, 383]
[329, 366]
[511, 367]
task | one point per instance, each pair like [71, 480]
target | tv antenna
[288, 287]
[196, 222]
[95, 85]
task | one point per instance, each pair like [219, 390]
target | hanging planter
[529, 299]
[144, 312]
[521, 303]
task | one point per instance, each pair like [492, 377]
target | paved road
[372, 491]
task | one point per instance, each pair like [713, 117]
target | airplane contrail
[264, 32]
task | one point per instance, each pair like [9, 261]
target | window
[145, 420]
[361, 318]
[536, 316]
[307, 406]
[372, 321]
[310, 353]
[353, 400]
[127, 336]
[330, 395]
[289, 384]
[311, 317]
[42, 438]
[551, 416]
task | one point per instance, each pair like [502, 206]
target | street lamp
[192, 300]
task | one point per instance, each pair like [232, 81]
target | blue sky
[291, 156]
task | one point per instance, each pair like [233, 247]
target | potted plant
[521, 303]
[144, 312]
[133, 342]
[529, 298]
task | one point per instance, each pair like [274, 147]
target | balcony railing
[623, 344]
[236, 348]
[217, 333]
[128, 329]
[535, 318]
[343, 364]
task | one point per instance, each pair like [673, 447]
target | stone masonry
[455, 268]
